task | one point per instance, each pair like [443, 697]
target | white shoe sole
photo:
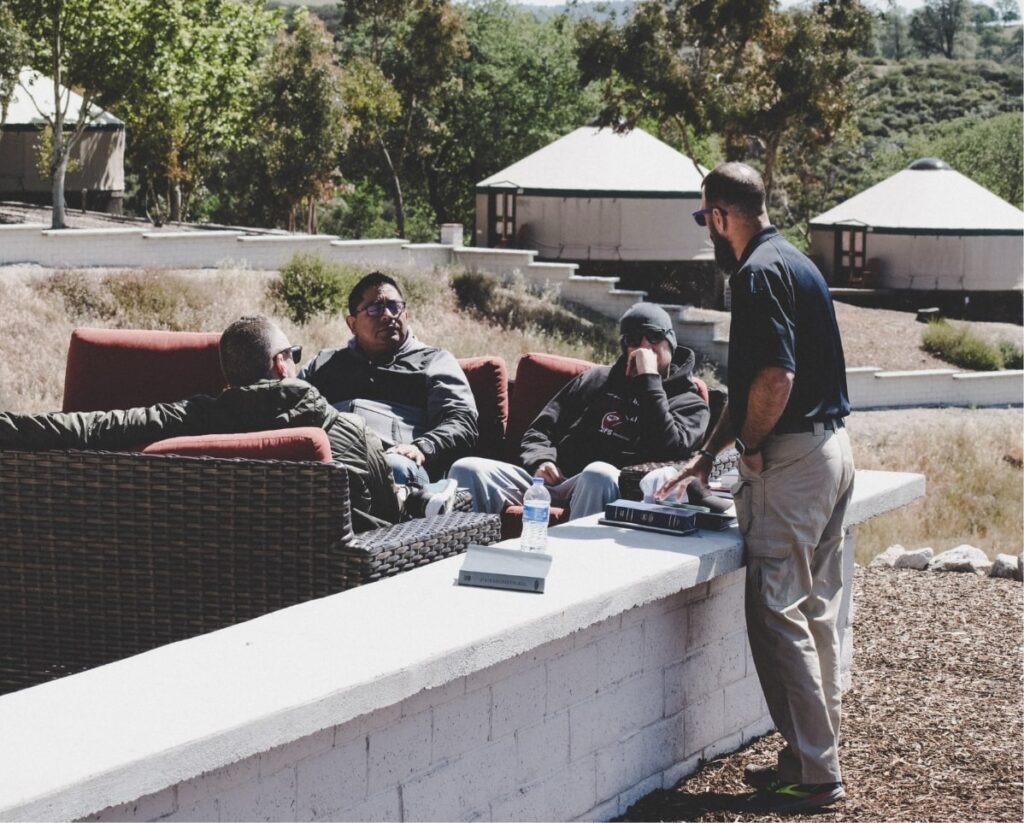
[441, 502]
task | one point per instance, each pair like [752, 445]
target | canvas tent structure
[594, 195]
[927, 228]
[98, 155]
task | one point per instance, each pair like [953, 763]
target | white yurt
[98, 155]
[595, 195]
[926, 228]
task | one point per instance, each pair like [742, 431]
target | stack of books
[668, 518]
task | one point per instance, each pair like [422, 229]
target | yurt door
[851, 254]
[501, 208]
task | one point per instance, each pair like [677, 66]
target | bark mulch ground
[932, 726]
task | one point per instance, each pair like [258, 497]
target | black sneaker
[759, 777]
[433, 498]
[786, 798]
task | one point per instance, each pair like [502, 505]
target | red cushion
[512, 520]
[539, 377]
[124, 368]
[301, 443]
[488, 379]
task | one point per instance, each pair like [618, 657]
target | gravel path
[932, 727]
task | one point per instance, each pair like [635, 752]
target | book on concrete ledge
[650, 516]
[498, 568]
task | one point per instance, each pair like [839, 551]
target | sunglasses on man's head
[634, 339]
[393, 307]
[700, 217]
[294, 351]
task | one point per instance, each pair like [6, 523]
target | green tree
[757, 76]
[936, 27]
[302, 118]
[189, 100]
[400, 58]
[519, 90]
[892, 31]
[80, 43]
[13, 54]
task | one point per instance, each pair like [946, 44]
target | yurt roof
[34, 93]
[598, 162]
[927, 198]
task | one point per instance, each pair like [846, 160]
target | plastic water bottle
[536, 510]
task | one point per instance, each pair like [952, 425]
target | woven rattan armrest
[630, 476]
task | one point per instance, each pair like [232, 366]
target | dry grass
[972, 461]
[41, 307]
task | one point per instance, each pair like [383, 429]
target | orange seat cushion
[125, 368]
[300, 443]
[488, 380]
[539, 377]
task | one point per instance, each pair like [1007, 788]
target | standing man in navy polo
[787, 401]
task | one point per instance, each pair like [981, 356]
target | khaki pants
[791, 516]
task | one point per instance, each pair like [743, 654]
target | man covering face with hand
[643, 407]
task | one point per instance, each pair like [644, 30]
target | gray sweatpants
[791, 516]
[495, 485]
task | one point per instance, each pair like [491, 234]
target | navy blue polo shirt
[782, 315]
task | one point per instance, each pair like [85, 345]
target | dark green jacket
[268, 404]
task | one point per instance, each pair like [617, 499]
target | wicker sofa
[106, 555]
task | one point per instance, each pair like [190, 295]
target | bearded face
[725, 257]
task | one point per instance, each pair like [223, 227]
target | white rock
[887, 559]
[963, 558]
[917, 559]
[1007, 566]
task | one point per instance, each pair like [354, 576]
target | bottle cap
[538, 481]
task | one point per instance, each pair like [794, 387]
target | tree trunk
[397, 186]
[311, 216]
[58, 158]
[174, 207]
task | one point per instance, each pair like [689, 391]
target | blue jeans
[405, 471]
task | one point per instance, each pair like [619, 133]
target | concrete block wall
[580, 727]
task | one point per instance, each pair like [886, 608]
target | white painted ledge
[111, 735]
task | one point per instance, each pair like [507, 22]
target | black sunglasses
[634, 339]
[393, 307]
[700, 217]
[294, 351]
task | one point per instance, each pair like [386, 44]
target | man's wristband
[710, 455]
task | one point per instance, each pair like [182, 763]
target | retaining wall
[416, 699]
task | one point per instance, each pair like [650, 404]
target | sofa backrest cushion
[125, 368]
[301, 444]
[539, 377]
[488, 380]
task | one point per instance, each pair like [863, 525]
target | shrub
[309, 286]
[961, 347]
[1013, 357]
[150, 299]
[82, 297]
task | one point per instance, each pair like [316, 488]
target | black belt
[800, 426]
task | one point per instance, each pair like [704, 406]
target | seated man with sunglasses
[413, 396]
[642, 408]
[259, 365]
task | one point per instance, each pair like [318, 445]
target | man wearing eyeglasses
[259, 364]
[787, 401]
[413, 396]
[644, 407]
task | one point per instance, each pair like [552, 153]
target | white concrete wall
[459, 703]
[578, 727]
[871, 387]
